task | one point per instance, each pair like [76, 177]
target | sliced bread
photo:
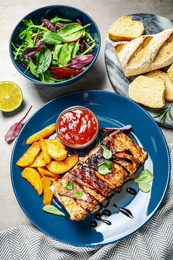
[148, 91]
[170, 73]
[125, 29]
[146, 53]
[168, 82]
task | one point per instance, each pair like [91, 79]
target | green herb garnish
[69, 186]
[78, 193]
[107, 154]
[104, 169]
[143, 180]
[163, 113]
[53, 210]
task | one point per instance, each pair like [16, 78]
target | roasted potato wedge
[29, 156]
[33, 177]
[46, 156]
[56, 152]
[44, 172]
[38, 162]
[58, 142]
[44, 133]
[47, 195]
[59, 167]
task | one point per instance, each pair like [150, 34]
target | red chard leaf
[30, 51]
[78, 62]
[15, 129]
[49, 25]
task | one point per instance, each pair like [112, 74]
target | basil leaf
[103, 169]
[44, 60]
[107, 154]
[69, 186]
[72, 31]
[50, 37]
[53, 210]
[78, 193]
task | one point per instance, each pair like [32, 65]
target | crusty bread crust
[157, 52]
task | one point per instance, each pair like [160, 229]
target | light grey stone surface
[104, 13]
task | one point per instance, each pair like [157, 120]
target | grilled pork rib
[95, 188]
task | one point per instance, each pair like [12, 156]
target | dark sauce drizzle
[98, 216]
[125, 211]
[131, 191]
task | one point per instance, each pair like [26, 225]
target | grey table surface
[104, 13]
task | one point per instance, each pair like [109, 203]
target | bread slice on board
[168, 82]
[148, 91]
[145, 53]
[125, 29]
[170, 73]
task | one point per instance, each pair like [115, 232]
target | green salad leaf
[143, 180]
[107, 154]
[72, 31]
[53, 210]
[103, 169]
[44, 60]
[59, 19]
[52, 38]
[69, 185]
[78, 193]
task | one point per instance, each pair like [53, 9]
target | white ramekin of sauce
[78, 128]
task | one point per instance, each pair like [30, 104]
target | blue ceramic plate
[49, 12]
[153, 24]
[113, 110]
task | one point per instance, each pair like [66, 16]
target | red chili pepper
[60, 73]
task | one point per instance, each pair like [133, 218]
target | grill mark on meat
[96, 187]
[87, 175]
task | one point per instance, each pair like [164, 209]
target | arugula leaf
[32, 68]
[47, 77]
[59, 19]
[44, 60]
[53, 210]
[143, 180]
[18, 50]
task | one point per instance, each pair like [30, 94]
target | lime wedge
[10, 96]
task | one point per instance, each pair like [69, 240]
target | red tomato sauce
[77, 126]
